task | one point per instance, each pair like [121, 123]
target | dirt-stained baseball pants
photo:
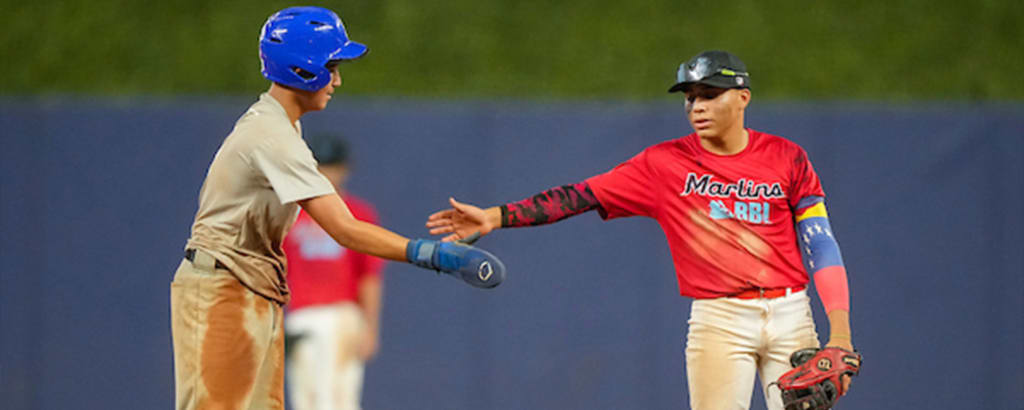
[731, 339]
[228, 341]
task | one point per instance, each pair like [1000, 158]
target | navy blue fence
[926, 200]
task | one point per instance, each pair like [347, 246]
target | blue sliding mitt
[473, 265]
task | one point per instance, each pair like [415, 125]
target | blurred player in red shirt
[333, 318]
[744, 215]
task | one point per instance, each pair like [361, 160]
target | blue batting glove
[473, 265]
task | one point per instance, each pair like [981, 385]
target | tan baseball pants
[228, 341]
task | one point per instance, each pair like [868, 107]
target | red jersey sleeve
[804, 181]
[369, 266]
[626, 190]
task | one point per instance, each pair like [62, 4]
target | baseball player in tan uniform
[227, 293]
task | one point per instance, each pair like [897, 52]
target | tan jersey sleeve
[289, 166]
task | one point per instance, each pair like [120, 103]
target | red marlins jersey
[319, 270]
[728, 219]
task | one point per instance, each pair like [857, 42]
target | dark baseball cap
[328, 149]
[715, 68]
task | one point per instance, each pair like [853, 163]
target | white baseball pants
[325, 370]
[730, 340]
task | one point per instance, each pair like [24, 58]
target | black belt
[190, 254]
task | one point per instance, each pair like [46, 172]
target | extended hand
[460, 221]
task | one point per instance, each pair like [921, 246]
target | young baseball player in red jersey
[741, 210]
[334, 313]
[228, 290]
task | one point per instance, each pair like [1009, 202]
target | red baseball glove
[815, 383]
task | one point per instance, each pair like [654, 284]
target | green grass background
[572, 49]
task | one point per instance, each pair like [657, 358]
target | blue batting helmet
[297, 43]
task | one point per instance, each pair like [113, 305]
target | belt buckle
[761, 292]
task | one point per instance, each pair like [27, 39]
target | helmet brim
[350, 51]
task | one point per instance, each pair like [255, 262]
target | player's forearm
[373, 240]
[548, 207]
[821, 255]
[370, 298]
[331, 213]
[839, 329]
[824, 262]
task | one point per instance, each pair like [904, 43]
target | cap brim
[716, 81]
[678, 87]
[351, 51]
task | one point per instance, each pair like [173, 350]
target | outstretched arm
[331, 213]
[553, 205]
[462, 261]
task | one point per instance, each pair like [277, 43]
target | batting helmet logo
[485, 271]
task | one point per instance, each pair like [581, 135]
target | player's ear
[744, 96]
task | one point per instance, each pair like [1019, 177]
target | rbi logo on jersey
[824, 364]
[485, 271]
[314, 243]
[753, 212]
